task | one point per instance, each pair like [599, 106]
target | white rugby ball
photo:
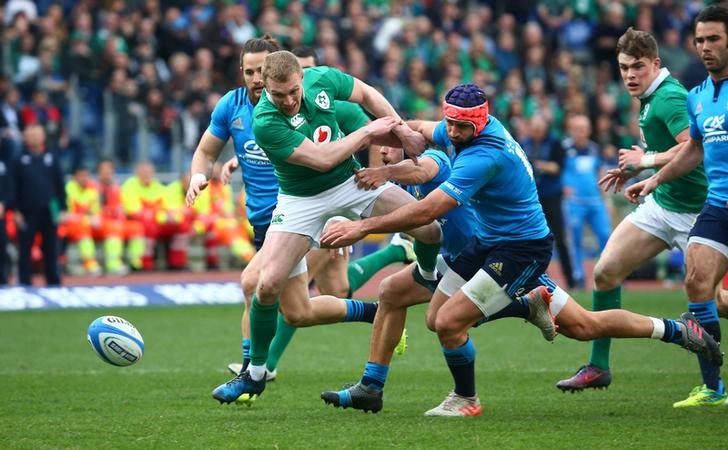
[115, 340]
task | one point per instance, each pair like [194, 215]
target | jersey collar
[664, 73]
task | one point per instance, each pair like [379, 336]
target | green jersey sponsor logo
[277, 219]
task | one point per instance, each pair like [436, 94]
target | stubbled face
[637, 73]
[460, 133]
[286, 96]
[391, 155]
[711, 43]
[251, 68]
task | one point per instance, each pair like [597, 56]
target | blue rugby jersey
[233, 117]
[707, 108]
[493, 174]
[459, 224]
[581, 172]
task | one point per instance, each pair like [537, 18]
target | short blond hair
[280, 66]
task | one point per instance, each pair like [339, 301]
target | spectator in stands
[546, 155]
[6, 194]
[39, 199]
[11, 139]
[585, 204]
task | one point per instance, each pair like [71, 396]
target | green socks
[283, 336]
[427, 256]
[262, 329]
[603, 300]
[361, 270]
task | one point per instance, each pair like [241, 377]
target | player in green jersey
[666, 217]
[295, 124]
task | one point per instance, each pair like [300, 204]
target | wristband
[648, 161]
[198, 177]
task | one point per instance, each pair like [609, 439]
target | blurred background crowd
[130, 82]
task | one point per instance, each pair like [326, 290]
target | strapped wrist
[648, 161]
[201, 177]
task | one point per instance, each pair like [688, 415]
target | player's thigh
[280, 254]
[438, 299]
[332, 278]
[249, 276]
[316, 259]
[627, 248]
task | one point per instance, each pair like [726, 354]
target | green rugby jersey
[663, 115]
[278, 134]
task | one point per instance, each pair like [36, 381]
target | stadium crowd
[129, 86]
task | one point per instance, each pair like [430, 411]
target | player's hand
[640, 190]
[381, 126]
[342, 234]
[613, 180]
[630, 160]
[413, 143]
[228, 168]
[370, 178]
[197, 185]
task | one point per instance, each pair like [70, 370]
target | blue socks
[707, 314]
[375, 375]
[673, 332]
[358, 311]
[461, 362]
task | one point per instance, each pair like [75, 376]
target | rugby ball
[115, 340]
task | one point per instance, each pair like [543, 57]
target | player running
[295, 124]
[501, 261]
[665, 218]
[707, 252]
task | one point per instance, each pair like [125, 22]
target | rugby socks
[601, 301]
[263, 320]
[246, 353]
[361, 270]
[359, 311]
[375, 375]
[461, 361]
[514, 308]
[707, 314]
[284, 334]
[427, 259]
[666, 330]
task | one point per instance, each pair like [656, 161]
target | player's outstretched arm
[412, 215]
[405, 173]
[327, 156]
[203, 158]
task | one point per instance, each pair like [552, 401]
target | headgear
[467, 103]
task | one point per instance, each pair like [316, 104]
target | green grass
[56, 393]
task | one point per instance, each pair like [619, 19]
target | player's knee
[389, 292]
[430, 319]
[445, 327]
[268, 290]
[698, 286]
[606, 276]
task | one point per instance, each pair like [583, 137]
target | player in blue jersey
[707, 256]
[509, 249]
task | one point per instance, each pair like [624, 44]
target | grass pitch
[56, 393]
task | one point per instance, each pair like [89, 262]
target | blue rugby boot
[357, 396]
[242, 384]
